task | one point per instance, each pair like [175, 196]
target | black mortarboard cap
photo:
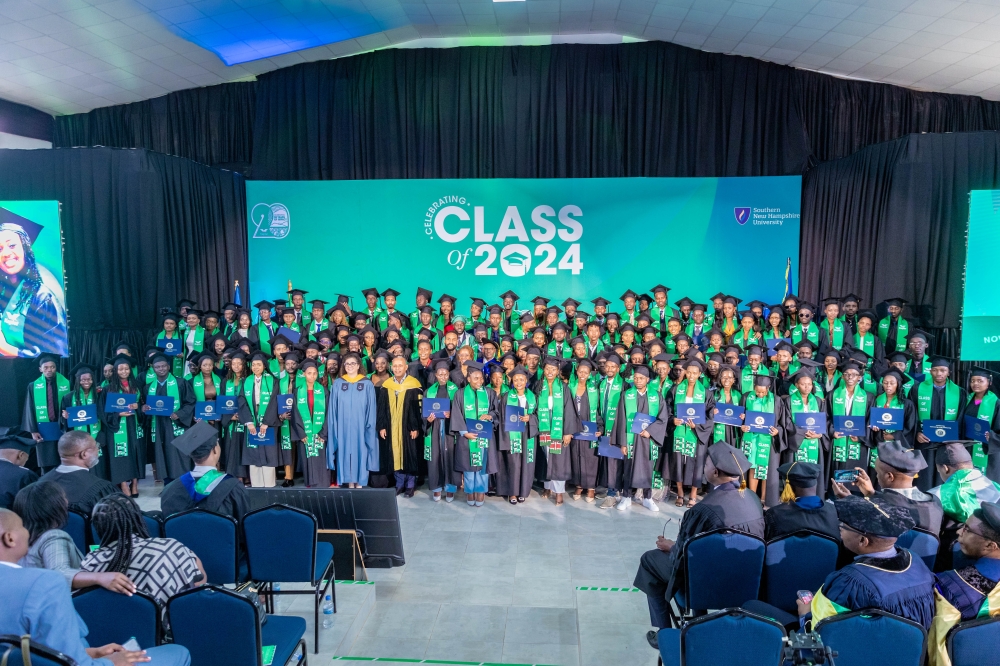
[15, 438]
[906, 460]
[720, 296]
[390, 292]
[800, 474]
[264, 305]
[30, 229]
[297, 292]
[989, 513]
[874, 516]
[851, 298]
[628, 294]
[426, 293]
[198, 440]
[540, 300]
[570, 302]
[830, 301]
[684, 301]
[600, 300]
[317, 304]
[896, 301]
[659, 288]
[641, 370]
[728, 459]
[612, 357]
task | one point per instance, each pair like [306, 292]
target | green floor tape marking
[431, 661]
[609, 589]
[354, 582]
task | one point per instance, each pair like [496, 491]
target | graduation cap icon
[31, 229]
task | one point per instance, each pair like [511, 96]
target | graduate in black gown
[766, 450]
[41, 405]
[811, 445]
[308, 426]
[517, 450]
[170, 463]
[204, 487]
[475, 457]
[661, 571]
[642, 450]
[584, 399]
[85, 393]
[802, 506]
[553, 460]
[983, 404]
[726, 393]
[848, 399]
[123, 431]
[233, 431]
[439, 442]
[936, 398]
[258, 398]
[688, 441]
[891, 396]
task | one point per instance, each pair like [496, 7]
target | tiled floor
[499, 583]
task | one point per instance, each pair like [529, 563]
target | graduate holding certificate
[584, 397]
[517, 447]
[171, 463]
[892, 397]
[765, 450]
[689, 440]
[642, 450]
[259, 414]
[983, 406]
[123, 431]
[810, 445]
[84, 395]
[439, 443]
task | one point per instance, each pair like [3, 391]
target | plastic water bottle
[328, 612]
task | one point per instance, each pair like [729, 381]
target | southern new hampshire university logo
[82, 414]
[270, 220]
[742, 214]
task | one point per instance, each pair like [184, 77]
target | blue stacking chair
[214, 538]
[798, 561]
[723, 569]
[282, 548]
[78, 527]
[114, 618]
[974, 642]
[759, 640]
[154, 525]
[872, 636]
[220, 628]
[38, 653]
[921, 543]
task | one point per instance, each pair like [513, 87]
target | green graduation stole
[592, 399]
[809, 450]
[598, 348]
[655, 311]
[984, 413]
[264, 337]
[770, 334]
[895, 403]
[708, 321]
[567, 350]
[311, 423]
[756, 445]
[746, 376]
[414, 319]
[177, 362]
[516, 438]
[843, 448]
[198, 384]
[745, 340]
[925, 392]
[14, 318]
[924, 369]
[958, 497]
[41, 403]
[476, 404]
[685, 440]
[661, 387]
[231, 388]
[811, 333]
[719, 431]
[286, 428]
[174, 392]
[432, 392]
[266, 388]
[838, 332]
[865, 343]
[902, 329]
[94, 428]
[631, 400]
[551, 420]
[609, 404]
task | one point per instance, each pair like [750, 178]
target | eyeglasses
[966, 528]
[844, 526]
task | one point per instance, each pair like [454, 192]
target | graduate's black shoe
[287, 483]
[400, 491]
[651, 639]
[410, 491]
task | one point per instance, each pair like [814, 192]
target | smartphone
[845, 475]
[805, 596]
[131, 645]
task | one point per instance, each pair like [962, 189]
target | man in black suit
[15, 447]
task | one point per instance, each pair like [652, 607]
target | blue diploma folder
[589, 432]
[227, 404]
[285, 403]
[514, 422]
[82, 415]
[729, 414]
[605, 449]
[170, 346]
[977, 429]
[760, 422]
[940, 431]
[206, 410]
[691, 411]
[850, 425]
[290, 334]
[50, 431]
[886, 418]
[160, 405]
[119, 402]
[814, 421]
[436, 406]
[640, 421]
[257, 440]
[772, 342]
[482, 428]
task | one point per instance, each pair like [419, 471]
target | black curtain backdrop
[26, 121]
[141, 230]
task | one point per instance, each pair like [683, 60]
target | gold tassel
[787, 494]
[743, 477]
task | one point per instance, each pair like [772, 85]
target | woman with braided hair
[159, 567]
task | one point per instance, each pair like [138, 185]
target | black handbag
[248, 590]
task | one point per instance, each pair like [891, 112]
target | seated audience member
[43, 508]
[159, 567]
[37, 602]
[15, 447]
[205, 486]
[801, 508]
[77, 454]
[728, 504]
[965, 488]
[973, 591]
[895, 469]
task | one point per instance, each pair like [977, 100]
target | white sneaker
[624, 503]
[651, 505]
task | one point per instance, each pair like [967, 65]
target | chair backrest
[40, 655]
[114, 618]
[281, 544]
[154, 524]
[77, 526]
[798, 561]
[214, 538]
[974, 642]
[218, 627]
[726, 566]
[759, 639]
[922, 544]
[872, 636]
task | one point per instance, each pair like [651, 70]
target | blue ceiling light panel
[243, 30]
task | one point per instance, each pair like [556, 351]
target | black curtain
[22, 120]
[141, 230]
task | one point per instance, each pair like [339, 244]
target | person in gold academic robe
[400, 422]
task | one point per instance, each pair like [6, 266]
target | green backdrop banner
[981, 309]
[579, 237]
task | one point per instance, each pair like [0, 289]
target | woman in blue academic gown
[352, 443]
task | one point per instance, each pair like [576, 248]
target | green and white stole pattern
[264, 336]
[865, 343]
[746, 376]
[566, 351]
[14, 318]
[756, 445]
[432, 392]
[844, 448]
[925, 394]
[174, 392]
[809, 449]
[176, 362]
[610, 394]
[660, 386]
[476, 404]
[984, 413]
[38, 395]
[743, 339]
[517, 438]
[286, 425]
[88, 399]
[631, 402]
[592, 398]
[902, 329]
[232, 388]
[198, 384]
[655, 312]
[685, 439]
[895, 403]
[811, 333]
[719, 431]
[311, 422]
[266, 388]
[837, 339]
[551, 420]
